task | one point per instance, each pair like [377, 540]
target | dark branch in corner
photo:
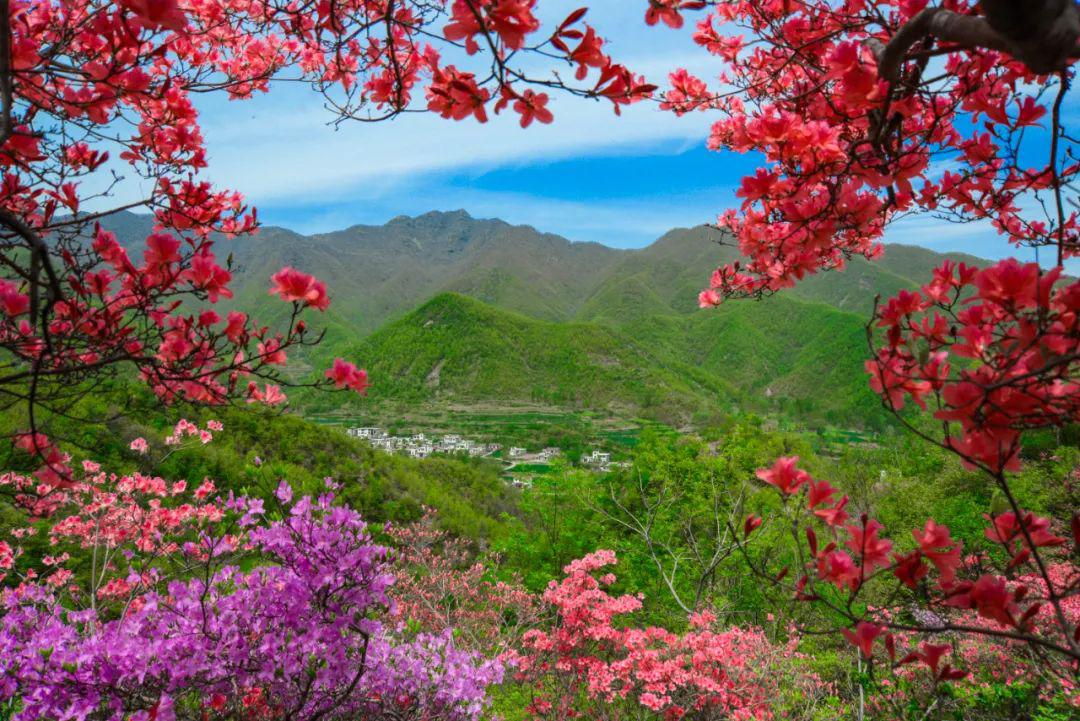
[1042, 34]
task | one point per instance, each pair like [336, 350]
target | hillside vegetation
[674, 368]
[446, 309]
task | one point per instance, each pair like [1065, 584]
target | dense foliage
[169, 625]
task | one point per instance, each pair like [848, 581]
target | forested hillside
[571, 325]
[678, 369]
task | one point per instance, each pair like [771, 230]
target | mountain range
[444, 308]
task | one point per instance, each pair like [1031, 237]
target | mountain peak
[434, 218]
[379, 273]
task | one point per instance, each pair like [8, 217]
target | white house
[516, 452]
[597, 458]
[368, 433]
[422, 450]
[548, 453]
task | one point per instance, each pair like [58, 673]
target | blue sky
[589, 176]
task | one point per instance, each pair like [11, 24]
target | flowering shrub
[994, 351]
[439, 587]
[984, 662]
[590, 656]
[218, 608]
[1022, 603]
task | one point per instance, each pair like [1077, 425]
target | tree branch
[965, 30]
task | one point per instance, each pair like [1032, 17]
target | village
[420, 445]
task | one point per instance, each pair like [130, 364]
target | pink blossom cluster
[158, 600]
[593, 653]
[441, 586]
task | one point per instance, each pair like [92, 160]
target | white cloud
[276, 154]
[977, 238]
[280, 148]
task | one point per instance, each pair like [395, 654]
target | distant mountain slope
[677, 266]
[445, 308]
[379, 273]
[458, 350]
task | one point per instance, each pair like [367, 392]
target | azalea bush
[594, 662]
[928, 602]
[1002, 678]
[199, 606]
[442, 586]
[849, 105]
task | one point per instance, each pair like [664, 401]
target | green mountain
[456, 350]
[379, 273]
[447, 309]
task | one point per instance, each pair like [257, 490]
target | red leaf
[1020, 558]
[910, 658]
[573, 17]
[952, 674]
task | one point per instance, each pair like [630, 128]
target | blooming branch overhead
[863, 114]
[95, 89]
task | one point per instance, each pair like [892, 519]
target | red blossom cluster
[984, 660]
[995, 351]
[1023, 600]
[865, 112]
[670, 11]
[294, 286]
[504, 27]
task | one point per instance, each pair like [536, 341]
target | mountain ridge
[384, 271]
[445, 308]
